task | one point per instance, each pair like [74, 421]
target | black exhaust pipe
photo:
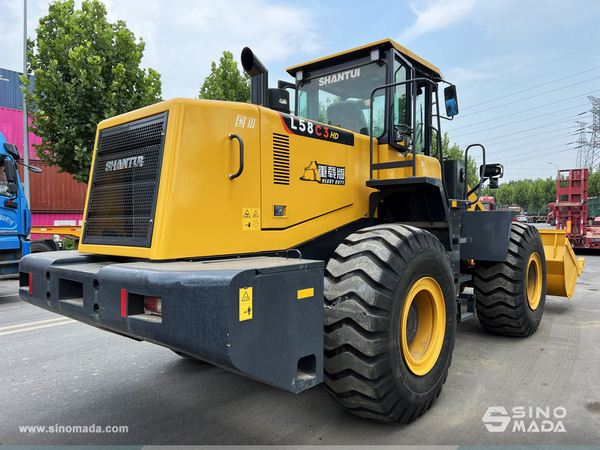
[260, 77]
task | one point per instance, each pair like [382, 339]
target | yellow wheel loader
[234, 233]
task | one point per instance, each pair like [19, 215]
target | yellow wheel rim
[423, 325]
[533, 281]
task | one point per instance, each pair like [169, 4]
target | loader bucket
[562, 266]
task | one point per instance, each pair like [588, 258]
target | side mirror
[279, 100]
[451, 101]
[291, 89]
[491, 171]
[10, 171]
[12, 151]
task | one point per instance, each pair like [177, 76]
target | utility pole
[25, 111]
[582, 147]
[594, 143]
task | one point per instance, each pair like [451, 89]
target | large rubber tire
[43, 246]
[510, 296]
[389, 291]
[552, 222]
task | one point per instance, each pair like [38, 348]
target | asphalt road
[57, 372]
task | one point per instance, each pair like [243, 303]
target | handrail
[241, 169]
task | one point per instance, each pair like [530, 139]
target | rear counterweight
[261, 317]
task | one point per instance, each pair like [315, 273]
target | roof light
[375, 55]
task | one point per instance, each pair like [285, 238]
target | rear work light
[152, 305]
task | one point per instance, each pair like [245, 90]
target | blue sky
[523, 68]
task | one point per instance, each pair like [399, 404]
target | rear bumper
[279, 340]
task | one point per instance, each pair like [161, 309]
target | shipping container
[53, 220]
[593, 207]
[11, 126]
[52, 192]
[10, 89]
[56, 219]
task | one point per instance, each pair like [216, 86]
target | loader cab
[347, 90]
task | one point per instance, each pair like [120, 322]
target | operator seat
[349, 115]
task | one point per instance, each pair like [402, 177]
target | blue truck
[15, 215]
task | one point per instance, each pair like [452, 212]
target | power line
[535, 87]
[560, 58]
[512, 114]
[568, 68]
[539, 95]
[518, 122]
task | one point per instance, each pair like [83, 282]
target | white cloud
[184, 37]
[437, 15]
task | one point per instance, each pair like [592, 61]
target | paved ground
[56, 372]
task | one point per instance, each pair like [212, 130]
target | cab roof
[385, 43]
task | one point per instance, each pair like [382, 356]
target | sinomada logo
[526, 419]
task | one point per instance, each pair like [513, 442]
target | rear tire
[510, 296]
[43, 246]
[390, 322]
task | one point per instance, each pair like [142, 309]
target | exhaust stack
[260, 77]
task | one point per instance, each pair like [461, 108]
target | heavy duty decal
[324, 174]
[302, 127]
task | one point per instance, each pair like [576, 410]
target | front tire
[510, 296]
[390, 322]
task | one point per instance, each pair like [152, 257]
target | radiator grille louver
[281, 159]
[125, 182]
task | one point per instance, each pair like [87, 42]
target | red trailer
[489, 203]
[571, 209]
[550, 218]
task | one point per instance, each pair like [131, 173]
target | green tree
[550, 184]
[537, 196]
[455, 152]
[503, 195]
[86, 70]
[593, 184]
[521, 194]
[226, 82]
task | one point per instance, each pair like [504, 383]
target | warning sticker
[245, 304]
[251, 219]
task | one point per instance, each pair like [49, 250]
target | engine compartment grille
[125, 183]
[281, 159]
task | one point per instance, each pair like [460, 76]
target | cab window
[420, 119]
[3, 181]
[342, 99]
[411, 116]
